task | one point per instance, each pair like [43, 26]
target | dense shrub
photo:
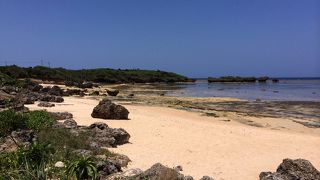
[11, 121]
[37, 120]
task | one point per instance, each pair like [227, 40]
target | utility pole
[49, 63]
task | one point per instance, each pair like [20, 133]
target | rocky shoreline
[100, 135]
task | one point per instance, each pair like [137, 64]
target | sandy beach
[220, 147]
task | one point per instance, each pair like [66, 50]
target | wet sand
[221, 147]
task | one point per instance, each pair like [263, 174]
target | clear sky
[197, 38]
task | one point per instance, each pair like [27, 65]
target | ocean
[291, 89]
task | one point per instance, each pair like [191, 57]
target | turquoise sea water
[287, 89]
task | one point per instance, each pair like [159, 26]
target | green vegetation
[37, 160]
[37, 120]
[34, 120]
[27, 162]
[83, 168]
[11, 121]
[101, 75]
[232, 79]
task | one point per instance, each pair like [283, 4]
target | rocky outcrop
[61, 115]
[206, 178]
[51, 98]
[45, 104]
[159, 172]
[70, 124]
[72, 92]
[56, 91]
[108, 110]
[95, 93]
[106, 168]
[10, 89]
[112, 92]
[35, 88]
[293, 170]
[21, 138]
[104, 136]
[5, 98]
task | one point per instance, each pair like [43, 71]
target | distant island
[99, 75]
[240, 79]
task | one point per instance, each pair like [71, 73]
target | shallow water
[286, 89]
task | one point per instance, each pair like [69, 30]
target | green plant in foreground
[35, 155]
[83, 168]
[31, 162]
[10, 121]
[38, 120]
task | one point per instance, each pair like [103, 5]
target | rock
[124, 175]
[45, 90]
[45, 104]
[95, 93]
[56, 91]
[293, 170]
[19, 107]
[71, 92]
[132, 172]
[83, 152]
[26, 97]
[158, 172]
[70, 124]
[51, 98]
[108, 110]
[9, 89]
[61, 115]
[59, 164]
[104, 136]
[5, 98]
[178, 168]
[112, 92]
[98, 125]
[120, 135]
[188, 178]
[35, 88]
[71, 83]
[120, 160]
[275, 80]
[130, 95]
[106, 168]
[22, 138]
[86, 85]
[206, 178]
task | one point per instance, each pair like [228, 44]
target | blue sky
[195, 38]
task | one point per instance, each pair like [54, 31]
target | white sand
[202, 145]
